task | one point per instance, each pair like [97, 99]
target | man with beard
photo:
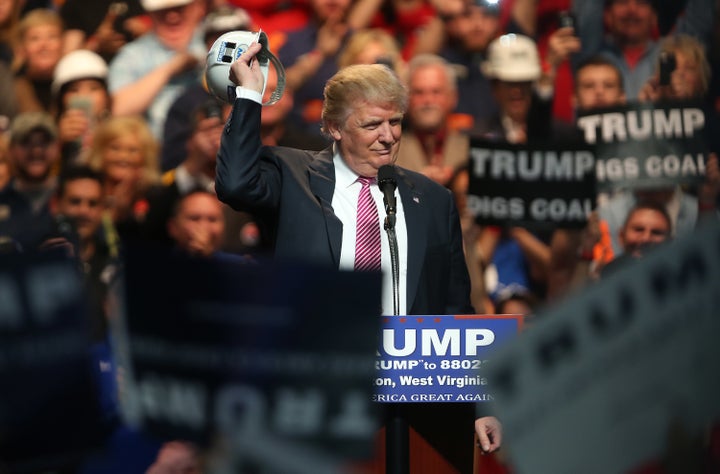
[428, 144]
[33, 152]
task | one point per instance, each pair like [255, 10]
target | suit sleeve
[459, 281]
[247, 173]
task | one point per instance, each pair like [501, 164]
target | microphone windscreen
[386, 173]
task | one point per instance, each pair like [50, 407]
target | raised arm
[241, 177]
[135, 97]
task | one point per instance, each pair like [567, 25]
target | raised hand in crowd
[561, 44]
[73, 125]
[329, 40]
[682, 71]
[106, 40]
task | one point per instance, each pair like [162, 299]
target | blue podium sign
[438, 358]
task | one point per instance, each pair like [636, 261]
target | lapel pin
[416, 199]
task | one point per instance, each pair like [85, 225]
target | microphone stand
[394, 261]
[397, 437]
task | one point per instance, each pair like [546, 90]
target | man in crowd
[148, 73]
[429, 146]
[78, 204]
[647, 225]
[197, 223]
[598, 83]
[310, 57]
[33, 151]
[328, 203]
[197, 171]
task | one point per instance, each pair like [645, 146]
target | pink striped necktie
[367, 237]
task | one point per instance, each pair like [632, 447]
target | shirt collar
[344, 176]
[186, 182]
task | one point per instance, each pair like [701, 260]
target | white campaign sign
[597, 385]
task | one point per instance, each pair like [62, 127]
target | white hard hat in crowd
[225, 19]
[512, 58]
[155, 5]
[78, 64]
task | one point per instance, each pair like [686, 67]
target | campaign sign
[624, 376]
[275, 360]
[49, 407]
[545, 186]
[439, 358]
[641, 145]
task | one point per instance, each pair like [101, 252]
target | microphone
[387, 184]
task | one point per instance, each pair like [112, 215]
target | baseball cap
[79, 64]
[24, 124]
[225, 19]
[512, 58]
[155, 5]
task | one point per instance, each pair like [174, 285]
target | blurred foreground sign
[601, 383]
[49, 410]
[275, 362]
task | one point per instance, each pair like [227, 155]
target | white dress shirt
[344, 203]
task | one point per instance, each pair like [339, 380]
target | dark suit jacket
[300, 184]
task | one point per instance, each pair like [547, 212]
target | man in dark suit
[315, 194]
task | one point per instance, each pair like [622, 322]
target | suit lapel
[416, 222]
[321, 178]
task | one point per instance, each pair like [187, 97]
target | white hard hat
[225, 19]
[78, 64]
[512, 58]
[155, 5]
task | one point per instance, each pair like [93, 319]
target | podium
[429, 378]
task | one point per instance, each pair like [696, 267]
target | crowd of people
[110, 136]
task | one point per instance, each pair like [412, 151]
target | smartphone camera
[566, 19]
[82, 103]
[63, 227]
[667, 66]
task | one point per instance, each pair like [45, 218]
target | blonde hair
[359, 41]
[374, 84]
[116, 127]
[33, 18]
[693, 50]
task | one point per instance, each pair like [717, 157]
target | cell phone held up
[566, 19]
[667, 66]
[81, 103]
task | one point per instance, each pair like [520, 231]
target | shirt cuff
[245, 93]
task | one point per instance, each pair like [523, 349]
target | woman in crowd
[39, 50]
[82, 101]
[125, 150]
